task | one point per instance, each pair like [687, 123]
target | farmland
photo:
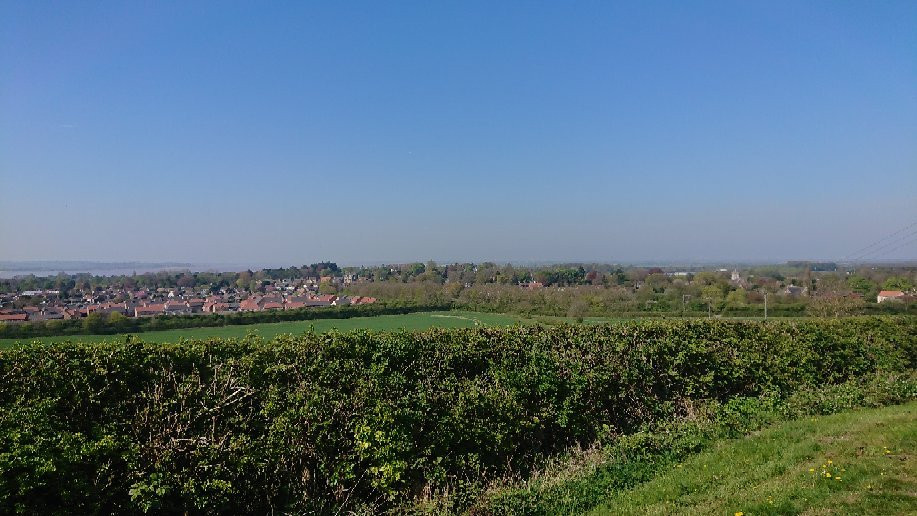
[410, 322]
[413, 321]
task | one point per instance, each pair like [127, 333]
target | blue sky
[289, 132]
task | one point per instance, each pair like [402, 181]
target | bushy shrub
[371, 420]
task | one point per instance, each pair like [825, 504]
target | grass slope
[858, 462]
[414, 321]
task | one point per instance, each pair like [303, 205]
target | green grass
[869, 455]
[414, 321]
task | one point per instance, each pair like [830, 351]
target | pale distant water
[94, 272]
[13, 269]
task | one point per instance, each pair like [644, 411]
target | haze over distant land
[211, 133]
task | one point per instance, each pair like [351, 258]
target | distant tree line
[569, 289]
[580, 292]
[212, 281]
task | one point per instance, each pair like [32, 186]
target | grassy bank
[859, 462]
[622, 474]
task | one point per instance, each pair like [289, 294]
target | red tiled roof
[151, 308]
[891, 293]
[249, 304]
[362, 300]
[14, 317]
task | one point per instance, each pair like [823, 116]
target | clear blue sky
[288, 132]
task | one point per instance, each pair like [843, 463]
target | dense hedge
[367, 421]
[100, 324]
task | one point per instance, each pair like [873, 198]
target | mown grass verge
[859, 462]
[702, 464]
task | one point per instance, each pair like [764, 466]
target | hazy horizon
[383, 133]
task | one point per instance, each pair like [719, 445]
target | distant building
[890, 295]
[176, 308]
[196, 305]
[737, 280]
[249, 305]
[108, 308]
[793, 290]
[361, 300]
[14, 317]
[149, 310]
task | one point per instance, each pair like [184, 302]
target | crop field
[415, 321]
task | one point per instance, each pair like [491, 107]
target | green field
[415, 321]
[858, 462]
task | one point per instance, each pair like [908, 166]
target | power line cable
[888, 244]
[888, 240]
[905, 244]
[883, 239]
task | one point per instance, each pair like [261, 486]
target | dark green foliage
[368, 421]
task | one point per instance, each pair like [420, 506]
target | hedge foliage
[369, 421]
[103, 324]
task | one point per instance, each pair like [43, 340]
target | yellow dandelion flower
[828, 474]
[830, 462]
[811, 470]
[740, 513]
